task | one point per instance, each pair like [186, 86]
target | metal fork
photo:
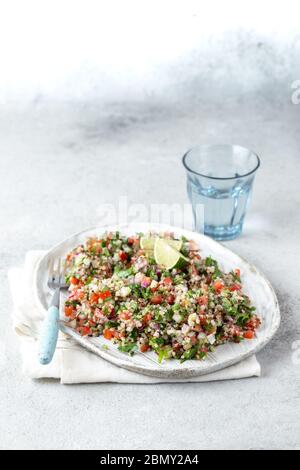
[49, 331]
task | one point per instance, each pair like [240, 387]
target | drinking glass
[220, 178]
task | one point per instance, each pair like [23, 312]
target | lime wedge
[167, 255]
[147, 243]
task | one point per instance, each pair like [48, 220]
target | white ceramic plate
[254, 284]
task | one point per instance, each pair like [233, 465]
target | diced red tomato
[253, 323]
[70, 256]
[104, 295]
[235, 287]
[156, 299]
[74, 281]
[237, 271]
[144, 347]
[167, 281]
[203, 320]
[123, 256]
[218, 286]
[203, 300]
[84, 330]
[69, 310]
[130, 241]
[94, 297]
[109, 333]
[249, 334]
[147, 318]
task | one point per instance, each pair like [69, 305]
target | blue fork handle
[48, 336]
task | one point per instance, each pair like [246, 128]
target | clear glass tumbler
[220, 178]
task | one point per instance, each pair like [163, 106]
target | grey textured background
[68, 148]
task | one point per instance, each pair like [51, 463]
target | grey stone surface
[58, 163]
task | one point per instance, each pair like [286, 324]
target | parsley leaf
[128, 348]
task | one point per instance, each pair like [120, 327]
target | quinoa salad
[119, 288]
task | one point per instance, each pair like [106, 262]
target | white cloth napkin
[71, 363]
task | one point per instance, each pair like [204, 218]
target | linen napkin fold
[71, 363]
